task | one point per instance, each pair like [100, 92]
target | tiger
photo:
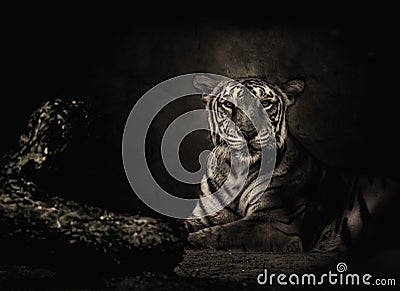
[307, 206]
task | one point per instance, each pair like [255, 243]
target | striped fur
[307, 206]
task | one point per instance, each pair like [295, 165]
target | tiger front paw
[204, 238]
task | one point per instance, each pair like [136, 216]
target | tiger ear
[293, 88]
[205, 84]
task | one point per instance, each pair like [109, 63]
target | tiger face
[231, 100]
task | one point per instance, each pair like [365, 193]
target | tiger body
[306, 206]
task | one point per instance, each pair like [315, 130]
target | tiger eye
[229, 104]
[264, 103]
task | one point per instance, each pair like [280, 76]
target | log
[60, 235]
[42, 230]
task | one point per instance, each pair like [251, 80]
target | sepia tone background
[345, 117]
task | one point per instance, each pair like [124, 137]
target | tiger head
[226, 99]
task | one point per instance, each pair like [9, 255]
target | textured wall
[338, 111]
[343, 117]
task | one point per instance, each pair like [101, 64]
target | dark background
[347, 116]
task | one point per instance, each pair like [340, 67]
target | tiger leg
[225, 215]
[247, 234]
